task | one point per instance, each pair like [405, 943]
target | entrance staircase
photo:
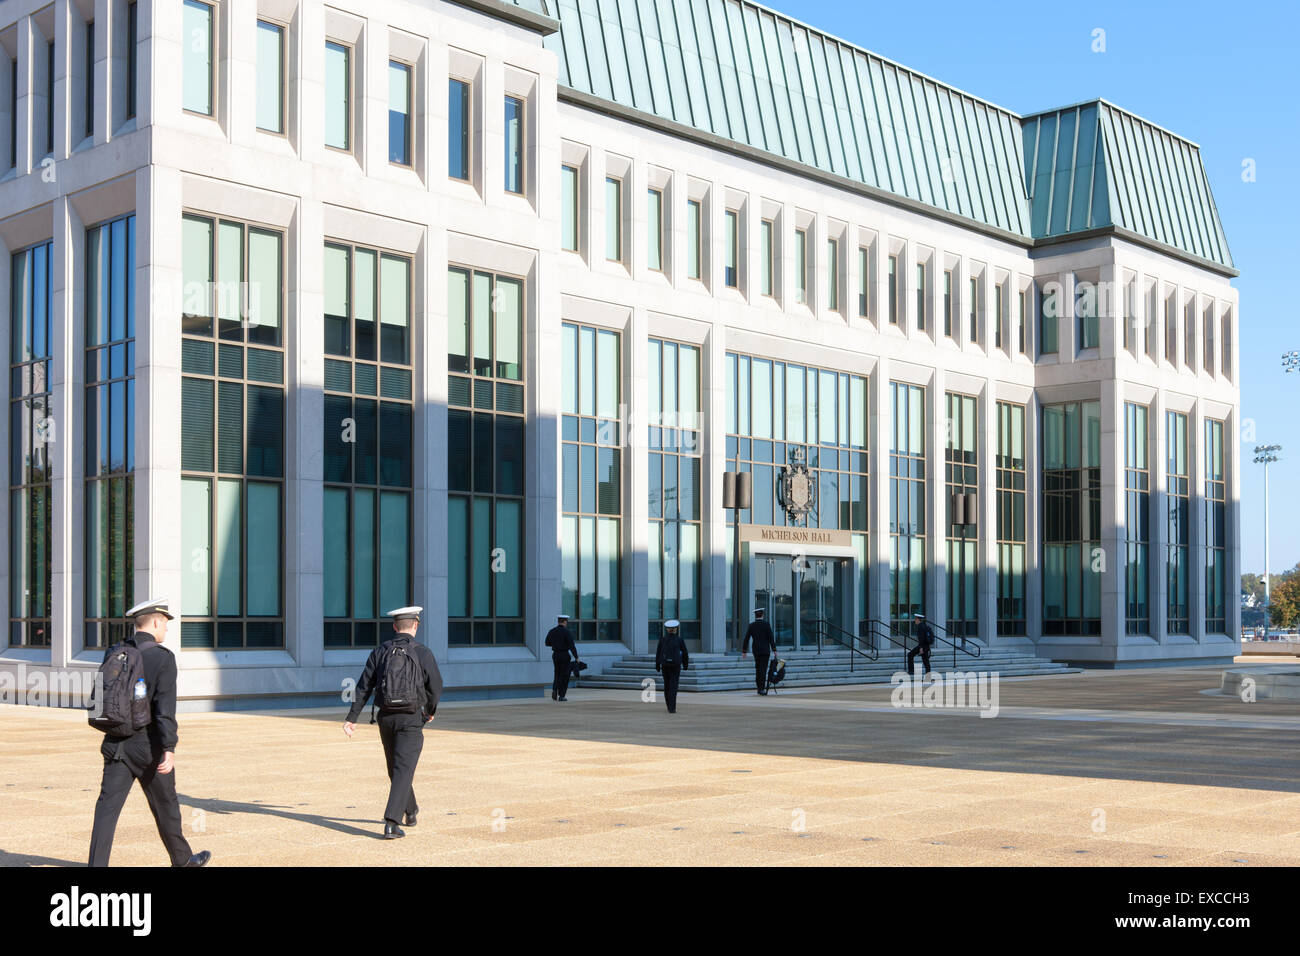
[843, 659]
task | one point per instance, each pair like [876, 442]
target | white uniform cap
[405, 612]
[672, 623]
[153, 605]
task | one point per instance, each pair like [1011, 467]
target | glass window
[270, 77]
[1216, 529]
[864, 281]
[833, 274]
[731, 268]
[1048, 316]
[592, 462]
[997, 316]
[767, 257]
[1137, 521]
[1020, 330]
[458, 118]
[31, 434]
[338, 96]
[655, 230]
[801, 266]
[961, 519]
[613, 219]
[1086, 309]
[514, 140]
[198, 57]
[131, 68]
[232, 434]
[908, 527]
[109, 430]
[693, 239]
[569, 208]
[367, 442]
[90, 81]
[947, 303]
[1074, 564]
[399, 113]
[485, 459]
[893, 290]
[921, 291]
[1011, 483]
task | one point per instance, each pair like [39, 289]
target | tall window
[801, 266]
[1207, 340]
[1178, 517]
[1011, 519]
[1049, 319]
[767, 257]
[569, 217]
[49, 98]
[1072, 555]
[675, 464]
[131, 67]
[592, 506]
[232, 435]
[1086, 309]
[1137, 521]
[613, 219]
[1130, 315]
[1225, 363]
[962, 462]
[399, 113]
[366, 513]
[731, 264]
[270, 77]
[975, 309]
[781, 414]
[13, 112]
[998, 316]
[921, 291]
[947, 303]
[110, 430]
[1189, 335]
[31, 432]
[1216, 530]
[907, 483]
[485, 459]
[693, 250]
[893, 290]
[1171, 332]
[338, 96]
[196, 82]
[833, 274]
[1020, 330]
[90, 78]
[458, 113]
[514, 139]
[655, 230]
[864, 282]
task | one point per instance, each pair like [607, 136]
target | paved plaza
[1100, 768]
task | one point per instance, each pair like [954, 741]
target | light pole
[1264, 455]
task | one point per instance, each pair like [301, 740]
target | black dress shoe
[409, 821]
[392, 831]
[198, 859]
[553, 696]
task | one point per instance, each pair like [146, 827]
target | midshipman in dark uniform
[560, 640]
[404, 677]
[149, 753]
[764, 647]
[671, 659]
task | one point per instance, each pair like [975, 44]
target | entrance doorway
[798, 592]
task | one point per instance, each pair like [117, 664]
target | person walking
[764, 647]
[924, 641]
[671, 659]
[404, 677]
[135, 707]
[560, 640]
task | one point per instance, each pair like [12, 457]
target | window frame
[409, 115]
[521, 147]
[349, 121]
[213, 52]
[283, 31]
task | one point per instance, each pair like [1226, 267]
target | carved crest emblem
[797, 490]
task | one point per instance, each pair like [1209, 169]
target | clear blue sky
[1224, 75]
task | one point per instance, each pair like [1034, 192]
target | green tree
[1284, 603]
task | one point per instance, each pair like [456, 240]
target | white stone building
[319, 309]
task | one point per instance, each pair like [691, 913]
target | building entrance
[797, 592]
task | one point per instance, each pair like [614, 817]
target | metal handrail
[839, 635]
[953, 643]
[893, 635]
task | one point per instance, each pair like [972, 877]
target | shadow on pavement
[213, 805]
[25, 859]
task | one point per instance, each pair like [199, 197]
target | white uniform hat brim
[672, 623]
[405, 612]
[152, 606]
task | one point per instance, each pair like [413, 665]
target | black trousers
[134, 759]
[760, 671]
[671, 676]
[924, 651]
[403, 738]
[560, 686]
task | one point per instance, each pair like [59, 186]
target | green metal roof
[737, 71]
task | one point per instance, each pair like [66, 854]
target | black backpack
[672, 651]
[119, 702]
[399, 679]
